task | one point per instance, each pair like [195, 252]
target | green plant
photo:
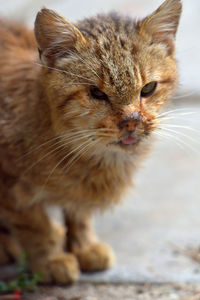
[25, 281]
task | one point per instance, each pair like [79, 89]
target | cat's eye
[98, 94]
[148, 89]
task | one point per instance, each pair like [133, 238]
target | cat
[75, 124]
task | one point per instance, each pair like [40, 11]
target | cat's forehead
[107, 25]
[126, 61]
[118, 65]
[113, 46]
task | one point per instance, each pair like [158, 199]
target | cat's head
[108, 77]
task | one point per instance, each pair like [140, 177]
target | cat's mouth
[127, 141]
[130, 140]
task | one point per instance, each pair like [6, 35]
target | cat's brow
[88, 63]
[64, 71]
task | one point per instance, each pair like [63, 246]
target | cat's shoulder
[16, 34]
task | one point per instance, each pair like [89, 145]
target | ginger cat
[75, 123]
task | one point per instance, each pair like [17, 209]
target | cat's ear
[56, 36]
[161, 26]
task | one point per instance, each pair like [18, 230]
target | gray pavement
[159, 218]
[84, 291]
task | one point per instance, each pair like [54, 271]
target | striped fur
[75, 126]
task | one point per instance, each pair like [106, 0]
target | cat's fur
[60, 146]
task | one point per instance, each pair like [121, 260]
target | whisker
[182, 114]
[177, 115]
[64, 71]
[60, 162]
[169, 137]
[91, 68]
[183, 134]
[70, 134]
[64, 144]
[86, 63]
[80, 153]
[96, 129]
[79, 83]
[37, 148]
[107, 129]
[172, 111]
[182, 127]
[75, 113]
[183, 146]
[181, 141]
[186, 95]
[104, 135]
[84, 114]
[49, 141]
[72, 113]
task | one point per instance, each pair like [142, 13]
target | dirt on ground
[87, 291]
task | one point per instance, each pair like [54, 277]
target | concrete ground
[159, 218]
[85, 291]
[155, 232]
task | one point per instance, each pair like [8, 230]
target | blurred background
[188, 41]
[160, 215]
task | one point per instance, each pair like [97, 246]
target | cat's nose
[130, 121]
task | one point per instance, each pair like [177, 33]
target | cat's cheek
[155, 104]
[109, 122]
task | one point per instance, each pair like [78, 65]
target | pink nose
[130, 121]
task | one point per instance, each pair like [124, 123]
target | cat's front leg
[82, 241]
[43, 241]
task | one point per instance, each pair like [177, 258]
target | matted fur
[59, 145]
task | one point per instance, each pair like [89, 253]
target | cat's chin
[128, 147]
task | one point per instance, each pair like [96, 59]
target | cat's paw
[10, 249]
[96, 257]
[62, 268]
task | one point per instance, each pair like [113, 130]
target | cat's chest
[96, 183]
